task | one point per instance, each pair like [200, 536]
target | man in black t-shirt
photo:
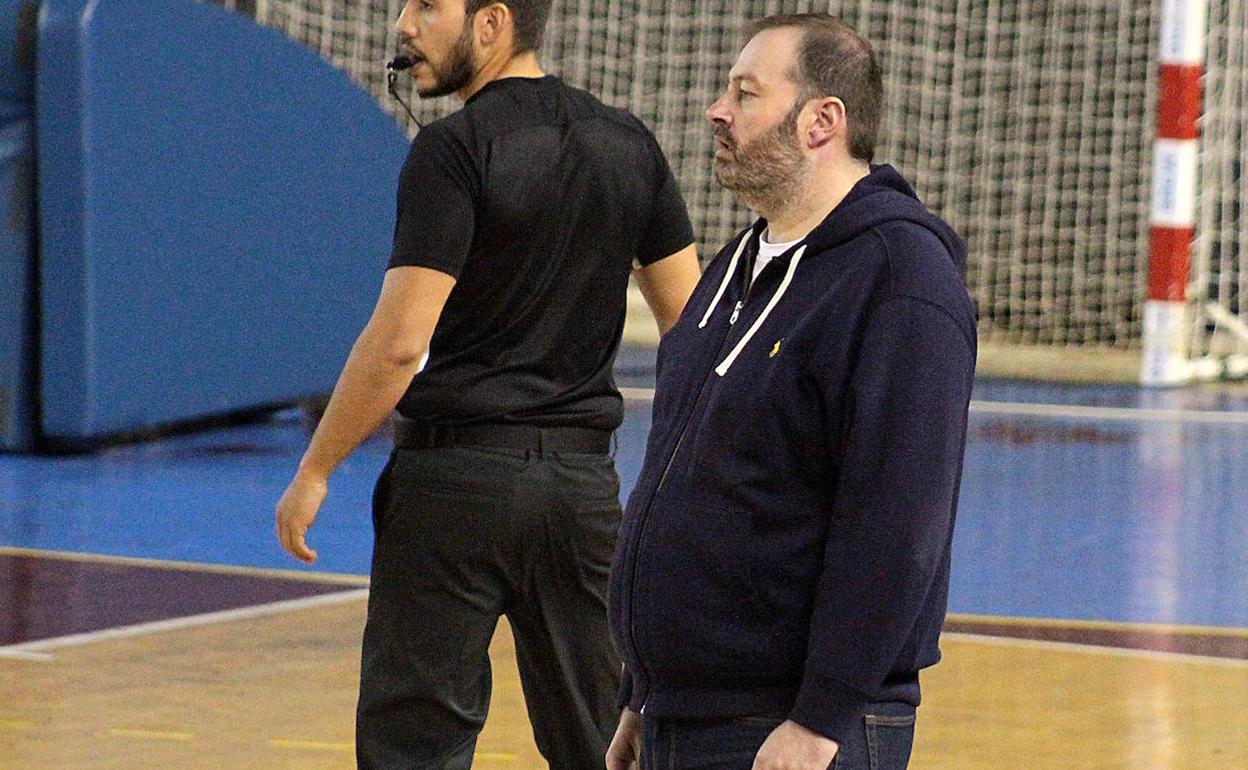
[520, 218]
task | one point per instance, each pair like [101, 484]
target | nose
[405, 26]
[717, 114]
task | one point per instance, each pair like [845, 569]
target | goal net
[1028, 125]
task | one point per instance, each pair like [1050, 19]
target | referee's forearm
[371, 384]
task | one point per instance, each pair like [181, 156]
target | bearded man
[519, 220]
[783, 564]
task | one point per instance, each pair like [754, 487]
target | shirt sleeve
[893, 506]
[437, 203]
[668, 230]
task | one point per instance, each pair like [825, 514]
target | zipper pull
[736, 313]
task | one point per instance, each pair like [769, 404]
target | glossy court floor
[148, 618]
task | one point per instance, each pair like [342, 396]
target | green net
[1028, 125]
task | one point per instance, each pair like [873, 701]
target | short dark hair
[834, 60]
[529, 17]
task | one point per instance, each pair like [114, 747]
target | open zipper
[671, 459]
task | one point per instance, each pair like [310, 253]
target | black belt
[410, 434]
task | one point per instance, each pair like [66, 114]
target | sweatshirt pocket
[698, 615]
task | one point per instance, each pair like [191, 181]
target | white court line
[1061, 411]
[1110, 412]
[24, 650]
[12, 654]
[637, 394]
[303, 576]
[1093, 649]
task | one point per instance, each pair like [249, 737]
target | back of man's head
[834, 60]
[528, 20]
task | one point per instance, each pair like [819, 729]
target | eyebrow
[746, 76]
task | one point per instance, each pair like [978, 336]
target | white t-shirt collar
[768, 251]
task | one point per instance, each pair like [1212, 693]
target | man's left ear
[494, 20]
[828, 121]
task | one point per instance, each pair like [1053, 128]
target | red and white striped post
[1173, 219]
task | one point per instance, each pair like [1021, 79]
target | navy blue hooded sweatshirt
[786, 547]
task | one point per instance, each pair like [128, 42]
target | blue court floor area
[1091, 503]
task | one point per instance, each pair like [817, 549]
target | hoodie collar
[881, 196]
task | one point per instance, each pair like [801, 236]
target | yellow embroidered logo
[775, 349]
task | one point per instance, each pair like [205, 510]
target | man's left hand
[297, 510]
[792, 747]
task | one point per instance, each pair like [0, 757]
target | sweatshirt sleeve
[624, 694]
[903, 431]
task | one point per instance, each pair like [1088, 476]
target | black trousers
[464, 535]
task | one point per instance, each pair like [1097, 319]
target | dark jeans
[464, 535]
[882, 741]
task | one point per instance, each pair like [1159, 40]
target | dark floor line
[1181, 641]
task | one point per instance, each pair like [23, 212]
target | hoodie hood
[881, 196]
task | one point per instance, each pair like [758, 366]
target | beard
[456, 70]
[765, 173]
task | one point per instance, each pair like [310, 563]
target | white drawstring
[728, 276]
[722, 369]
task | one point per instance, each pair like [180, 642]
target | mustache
[407, 48]
[722, 133]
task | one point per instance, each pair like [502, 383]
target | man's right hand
[624, 753]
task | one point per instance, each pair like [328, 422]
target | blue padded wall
[17, 331]
[216, 208]
[17, 300]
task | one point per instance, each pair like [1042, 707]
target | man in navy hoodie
[783, 564]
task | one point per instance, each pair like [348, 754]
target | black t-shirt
[538, 198]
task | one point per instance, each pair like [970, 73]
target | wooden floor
[279, 692]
